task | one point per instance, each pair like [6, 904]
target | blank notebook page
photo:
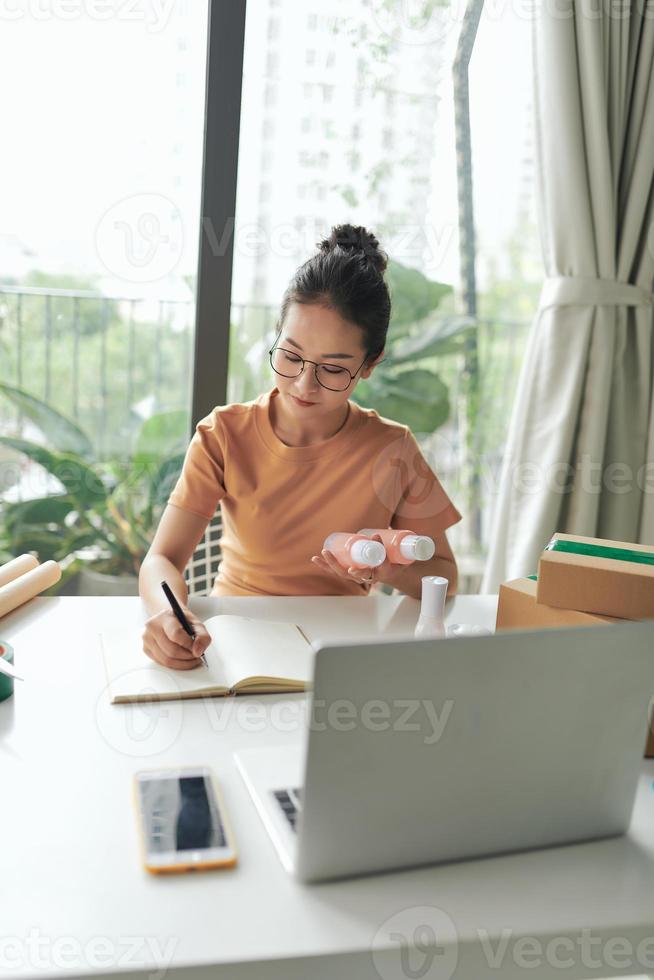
[240, 648]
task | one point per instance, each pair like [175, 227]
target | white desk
[76, 900]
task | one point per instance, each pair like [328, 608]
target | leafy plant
[108, 509]
[409, 389]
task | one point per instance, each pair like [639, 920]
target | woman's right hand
[166, 642]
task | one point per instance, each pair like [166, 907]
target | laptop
[424, 751]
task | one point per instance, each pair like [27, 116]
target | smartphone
[183, 822]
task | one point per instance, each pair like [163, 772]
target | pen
[176, 608]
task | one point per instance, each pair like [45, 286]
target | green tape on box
[6, 683]
[601, 551]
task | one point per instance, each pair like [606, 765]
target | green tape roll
[601, 551]
[6, 682]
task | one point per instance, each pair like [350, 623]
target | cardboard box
[598, 581]
[649, 748]
[517, 609]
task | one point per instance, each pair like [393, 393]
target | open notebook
[246, 656]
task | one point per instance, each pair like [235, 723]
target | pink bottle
[403, 547]
[355, 550]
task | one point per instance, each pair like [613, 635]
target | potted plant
[408, 388]
[99, 527]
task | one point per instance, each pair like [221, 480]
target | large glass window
[350, 113]
[371, 139]
[367, 142]
[509, 262]
[99, 212]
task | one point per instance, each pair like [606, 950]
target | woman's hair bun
[346, 274]
[356, 240]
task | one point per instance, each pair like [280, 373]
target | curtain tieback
[588, 291]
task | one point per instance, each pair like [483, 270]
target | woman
[301, 461]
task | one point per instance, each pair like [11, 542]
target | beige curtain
[582, 427]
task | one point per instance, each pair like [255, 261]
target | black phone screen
[180, 814]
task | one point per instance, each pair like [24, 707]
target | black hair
[347, 275]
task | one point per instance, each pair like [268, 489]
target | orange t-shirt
[280, 502]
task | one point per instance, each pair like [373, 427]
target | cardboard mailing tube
[17, 566]
[27, 586]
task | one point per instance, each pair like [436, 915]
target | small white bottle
[403, 547]
[353, 549]
[431, 621]
[417, 547]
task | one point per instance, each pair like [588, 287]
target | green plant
[409, 388]
[108, 509]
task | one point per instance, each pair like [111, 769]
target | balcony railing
[106, 361]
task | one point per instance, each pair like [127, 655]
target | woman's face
[319, 334]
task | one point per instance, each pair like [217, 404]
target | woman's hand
[167, 643]
[362, 576]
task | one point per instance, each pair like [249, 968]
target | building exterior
[338, 124]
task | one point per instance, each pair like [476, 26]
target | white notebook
[245, 656]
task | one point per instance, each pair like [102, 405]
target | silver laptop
[422, 751]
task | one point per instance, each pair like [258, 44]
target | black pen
[177, 609]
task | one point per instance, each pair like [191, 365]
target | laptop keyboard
[290, 800]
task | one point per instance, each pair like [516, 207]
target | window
[309, 158]
[97, 280]
[354, 159]
[372, 141]
[272, 63]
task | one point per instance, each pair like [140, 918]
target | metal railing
[104, 360]
[92, 356]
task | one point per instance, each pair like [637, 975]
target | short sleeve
[201, 486]
[423, 505]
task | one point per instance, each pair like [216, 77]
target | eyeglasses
[289, 364]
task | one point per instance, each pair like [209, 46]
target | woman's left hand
[362, 576]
